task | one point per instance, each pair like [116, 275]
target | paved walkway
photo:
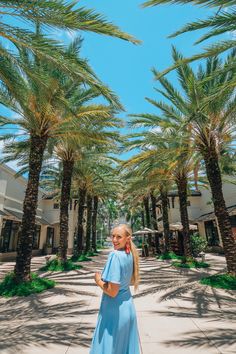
[175, 314]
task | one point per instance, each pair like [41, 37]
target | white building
[46, 238]
[201, 211]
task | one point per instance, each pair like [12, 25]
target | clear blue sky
[126, 68]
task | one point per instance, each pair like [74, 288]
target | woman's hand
[97, 277]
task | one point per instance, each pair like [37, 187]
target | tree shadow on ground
[222, 338]
[59, 316]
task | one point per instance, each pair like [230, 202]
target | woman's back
[119, 269]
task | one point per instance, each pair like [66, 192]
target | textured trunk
[80, 228]
[143, 218]
[154, 221]
[214, 178]
[64, 206]
[182, 184]
[94, 223]
[147, 212]
[25, 241]
[88, 223]
[148, 219]
[165, 218]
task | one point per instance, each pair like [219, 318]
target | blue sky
[125, 67]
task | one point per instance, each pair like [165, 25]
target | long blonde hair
[135, 276]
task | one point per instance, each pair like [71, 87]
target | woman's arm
[111, 289]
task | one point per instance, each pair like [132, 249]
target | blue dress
[116, 331]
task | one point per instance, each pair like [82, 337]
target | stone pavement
[175, 313]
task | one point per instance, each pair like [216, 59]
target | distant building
[200, 211]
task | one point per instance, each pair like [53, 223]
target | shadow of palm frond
[218, 337]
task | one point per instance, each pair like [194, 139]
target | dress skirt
[116, 331]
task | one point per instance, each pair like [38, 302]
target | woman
[116, 331]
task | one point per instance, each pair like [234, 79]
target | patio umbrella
[179, 227]
[144, 231]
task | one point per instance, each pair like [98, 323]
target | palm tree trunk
[88, 223]
[25, 241]
[94, 223]
[64, 206]
[221, 212]
[165, 218]
[147, 212]
[148, 219]
[143, 218]
[182, 184]
[80, 227]
[154, 221]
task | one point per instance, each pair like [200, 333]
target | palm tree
[222, 22]
[90, 133]
[209, 120]
[97, 174]
[62, 15]
[41, 115]
[166, 152]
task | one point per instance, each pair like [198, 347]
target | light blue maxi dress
[116, 331]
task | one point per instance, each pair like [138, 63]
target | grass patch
[81, 258]
[169, 255]
[190, 264]
[57, 266]
[91, 254]
[223, 281]
[9, 288]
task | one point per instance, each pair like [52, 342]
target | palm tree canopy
[223, 21]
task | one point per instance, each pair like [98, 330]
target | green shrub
[223, 281]
[81, 258]
[9, 287]
[169, 255]
[57, 266]
[198, 244]
[190, 264]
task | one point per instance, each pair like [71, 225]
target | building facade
[201, 212]
[46, 237]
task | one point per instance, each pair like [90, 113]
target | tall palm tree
[210, 122]
[223, 21]
[41, 113]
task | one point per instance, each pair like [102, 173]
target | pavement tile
[175, 314]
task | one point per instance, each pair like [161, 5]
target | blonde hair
[135, 276]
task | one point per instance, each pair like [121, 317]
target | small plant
[9, 287]
[198, 244]
[169, 255]
[81, 258]
[58, 266]
[223, 281]
[190, 264]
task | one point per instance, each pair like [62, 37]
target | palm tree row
[192, 129]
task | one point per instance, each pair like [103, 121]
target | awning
[206, 217]
[211, 216]
[2, 213]
[18, 215]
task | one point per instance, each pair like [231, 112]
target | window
[56, 206]
[9, 236]
[36, 237]
[173, 202]
[212, 233]
[188, 203]
[50, 237]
